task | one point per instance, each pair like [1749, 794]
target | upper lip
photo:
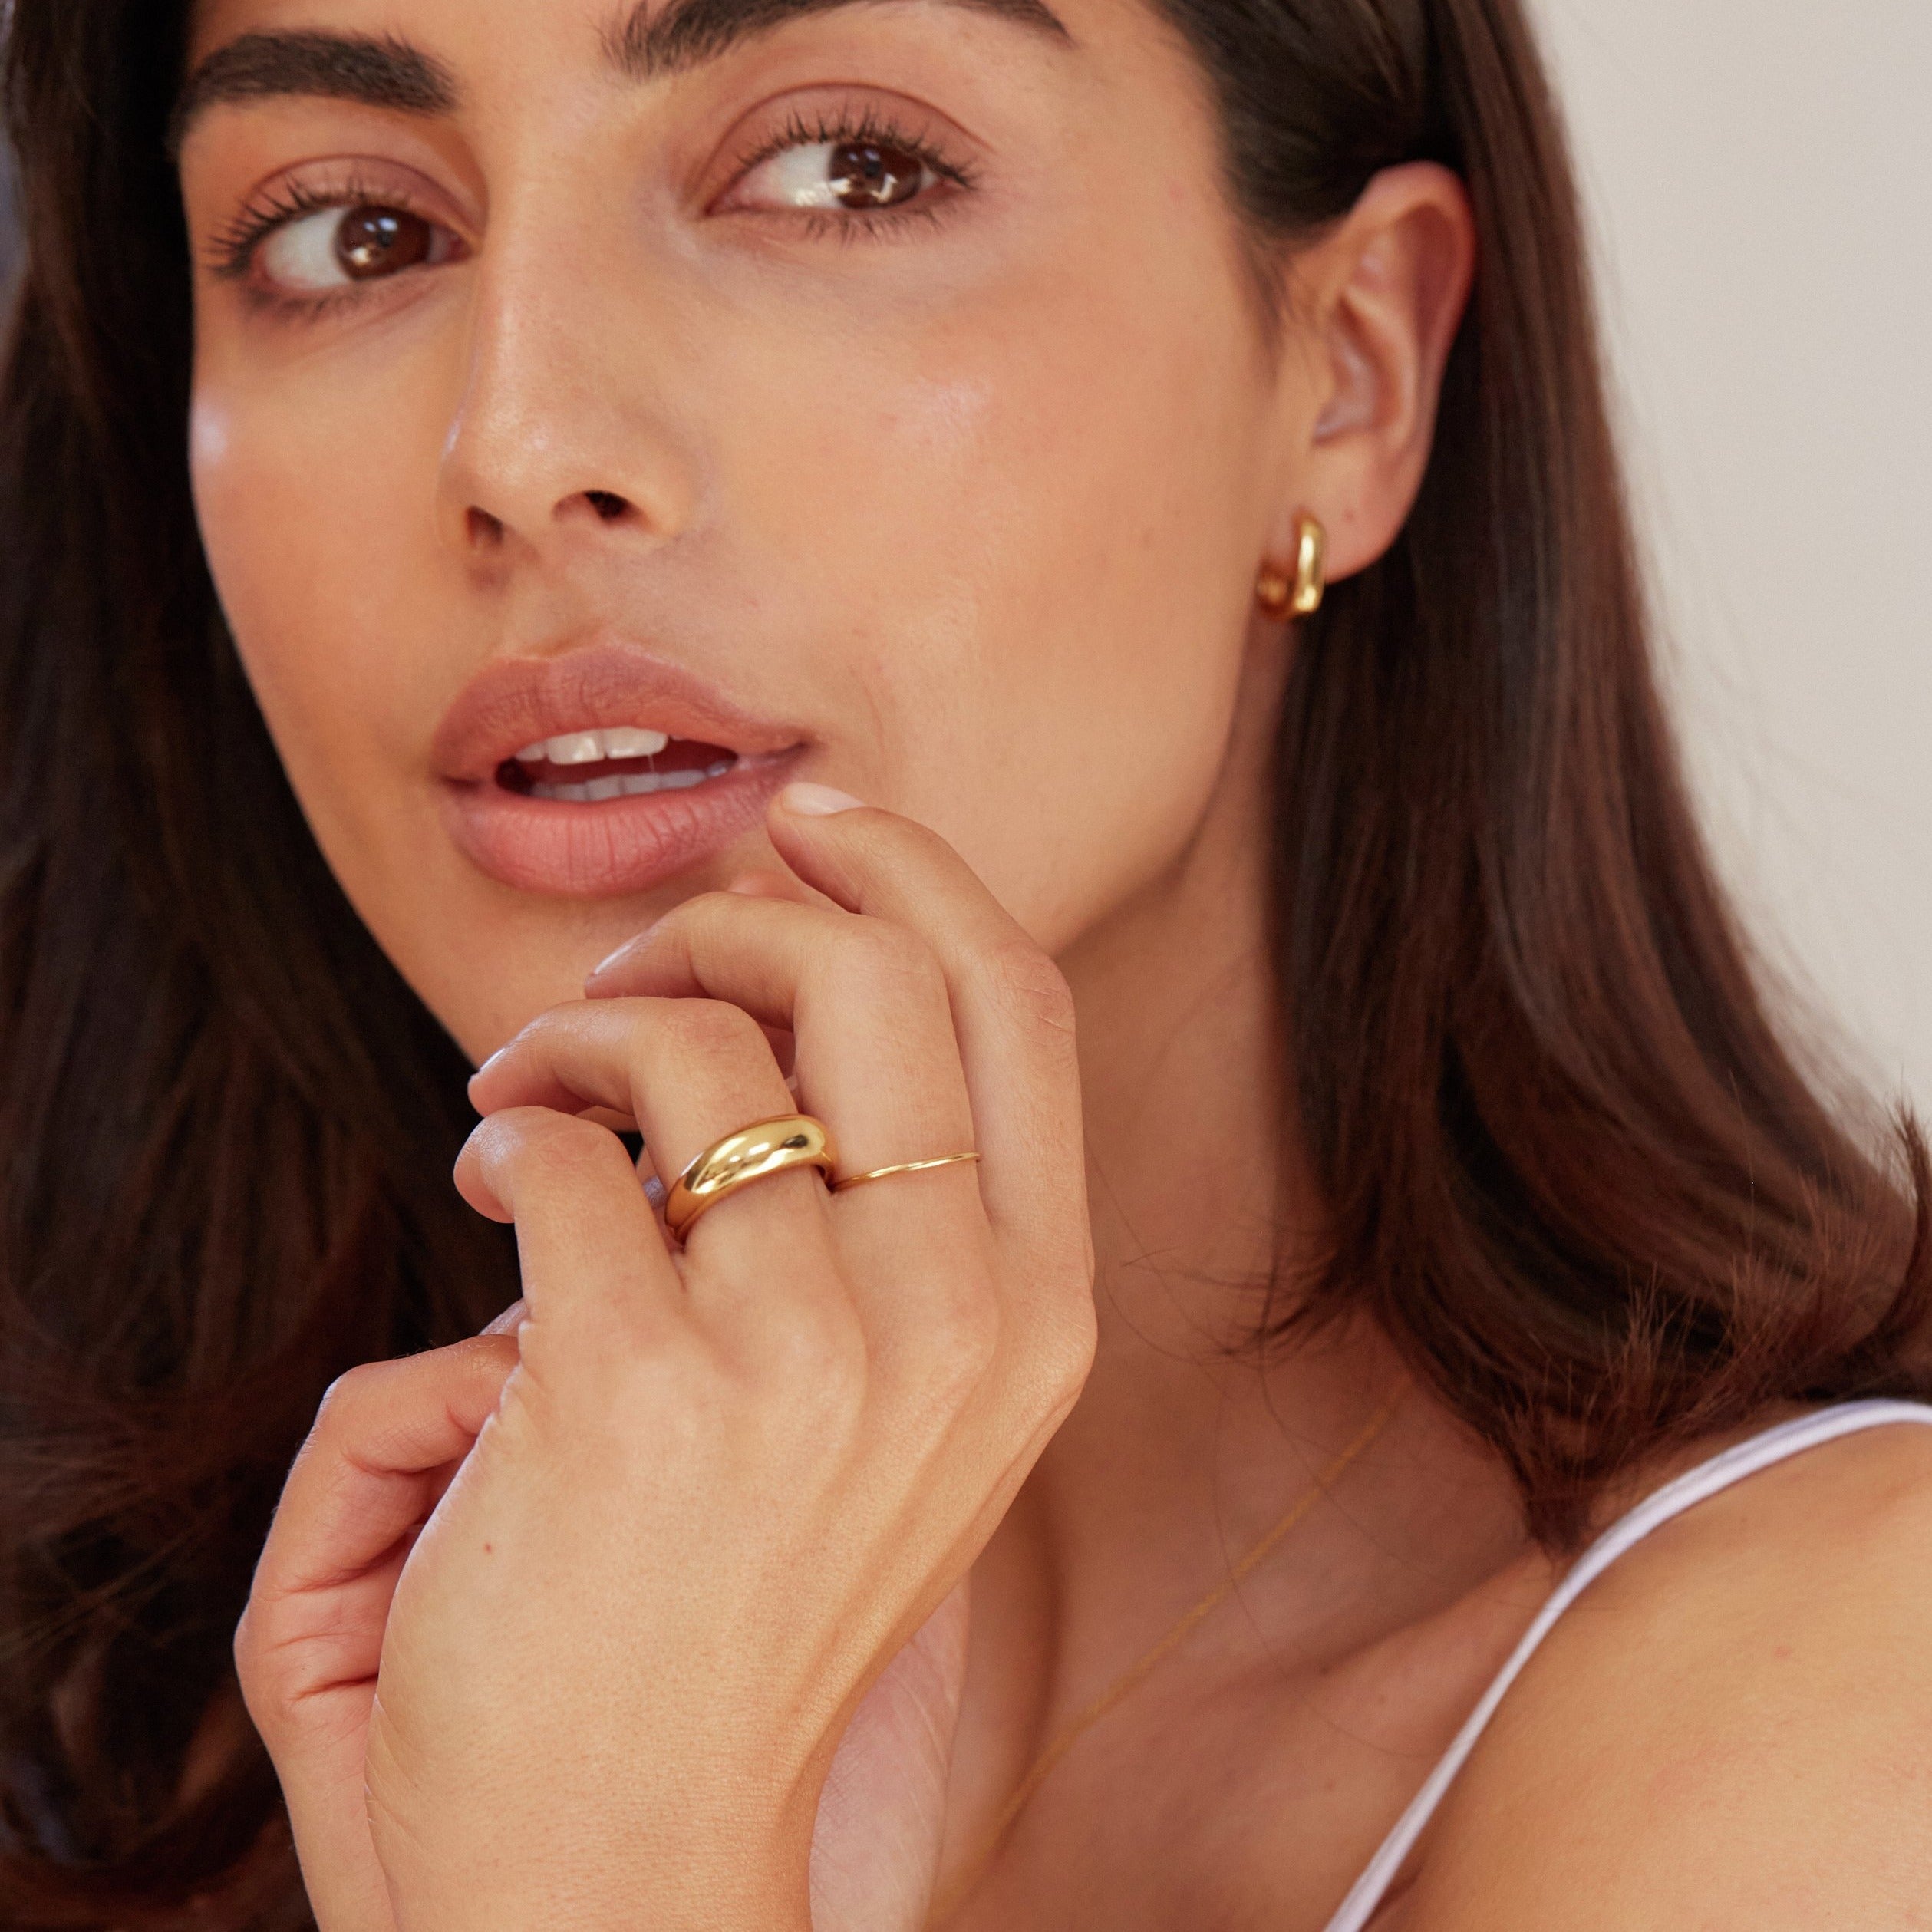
[515, 701]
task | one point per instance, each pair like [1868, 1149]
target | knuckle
[561, 1144]
[690, 916]
[254, 1659]
[482, 1363]
[345, 1396]
[246, 1647]
[815, 1352]
[889, 955]
[1066, 1354]
[1056, 1356]
[269, 1678]
[960, 1342]
[1032, 990]
[668, 1381]
[927, 845]
[712, 1028]
[533, 1033]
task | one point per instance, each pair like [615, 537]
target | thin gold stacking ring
[903, 1167]
[765, 1147]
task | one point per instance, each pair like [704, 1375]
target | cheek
[1035, 532]
[310, 497]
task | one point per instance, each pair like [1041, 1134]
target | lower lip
[615, 846]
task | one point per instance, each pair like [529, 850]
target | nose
[560, 437]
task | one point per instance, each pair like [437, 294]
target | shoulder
[1732, 1726]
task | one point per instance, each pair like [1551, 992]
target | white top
[1743, 1459]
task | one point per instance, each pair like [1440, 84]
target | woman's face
[734, 391]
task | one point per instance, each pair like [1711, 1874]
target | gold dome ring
[786, 1140]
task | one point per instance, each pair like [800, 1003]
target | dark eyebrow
[688, 32]
[380, 70]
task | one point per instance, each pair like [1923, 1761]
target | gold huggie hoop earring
[1300, 596]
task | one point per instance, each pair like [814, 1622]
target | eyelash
[840, 127]
[231, 252]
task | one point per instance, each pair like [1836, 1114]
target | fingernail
[489, 1063]
[808, 801]
[610, 959]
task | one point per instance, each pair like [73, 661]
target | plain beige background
[1760, 176]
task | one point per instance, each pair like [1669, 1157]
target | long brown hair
[1573, 1171]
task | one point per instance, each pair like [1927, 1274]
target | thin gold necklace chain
[1083, 1720]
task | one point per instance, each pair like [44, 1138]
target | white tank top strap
[1730, 1466]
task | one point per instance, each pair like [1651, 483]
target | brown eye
[856, 172]
[870, 174]
[374, 242]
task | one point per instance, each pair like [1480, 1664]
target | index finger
[1012, 1011]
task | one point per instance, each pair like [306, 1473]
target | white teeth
[632, 784]
[592, 747]
[575, 748]
[625, 742]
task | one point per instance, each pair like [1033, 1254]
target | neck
[1200, 1201]
[1190, 1441]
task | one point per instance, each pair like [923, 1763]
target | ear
[1376, 304]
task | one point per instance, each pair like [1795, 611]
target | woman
[489, 489]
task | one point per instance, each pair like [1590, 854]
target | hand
[723, 1485]
[384, 1447]
[388, 1439]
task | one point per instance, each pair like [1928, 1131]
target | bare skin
[964, 514]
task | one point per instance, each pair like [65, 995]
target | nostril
[610, 507]
[485, 532]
